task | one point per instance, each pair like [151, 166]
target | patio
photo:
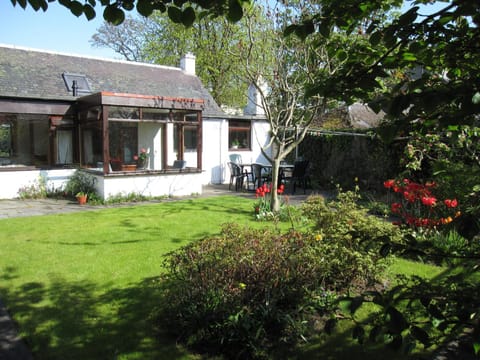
[10, 208]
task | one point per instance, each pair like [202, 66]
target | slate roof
[29, 73]
[355, 116]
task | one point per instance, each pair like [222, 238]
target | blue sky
[57, 29]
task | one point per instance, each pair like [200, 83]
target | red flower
[389, 183]
[265, 188]
[410, 197]
[429, 200]
[259, 192]
[396, 208]
[280, 189]
[451, 203]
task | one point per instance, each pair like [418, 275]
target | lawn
[83, 285]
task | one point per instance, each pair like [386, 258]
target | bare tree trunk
[274, 200]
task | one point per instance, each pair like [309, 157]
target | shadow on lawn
[66, 320]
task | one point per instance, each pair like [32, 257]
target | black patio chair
[299, 175]
[237, 175]
[260, 175]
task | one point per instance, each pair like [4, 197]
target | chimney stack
[187, 63]
[254, 101]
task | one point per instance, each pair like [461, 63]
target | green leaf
[476, 98]
[375, 38]
[188, 17]
[179, 3]
[22, 3]
[65, 3]
[235, 11]
[160, 6]
[409, 17]
[421, 335]
[425, 301]
[289, 30]
[408, 56]
[89, 11]
[397, 321]
[476, 348]
[325, 30]
[113, 15]
[145, 7]
[44, 5]
[369, 83]
[341, 55]
[128, 5]
[445, 19]
[355, 304]
[375, 333]
[435, 311]
[385, 250]
[175, 14]
[409, 346]
[358, 333]
[330, 326]
[35, 4]
[396, 342]
[76, 8]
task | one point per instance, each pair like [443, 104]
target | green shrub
[80, 181]
[355, 237]
[249, 293]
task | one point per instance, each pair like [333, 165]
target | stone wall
[340, 159]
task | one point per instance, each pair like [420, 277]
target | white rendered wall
[216, 152]
[178, 184]
[12, 181]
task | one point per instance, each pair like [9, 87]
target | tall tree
[299, 63]
[127, 39]
[433, 58]
[282, 79]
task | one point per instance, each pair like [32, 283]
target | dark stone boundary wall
[339, 159]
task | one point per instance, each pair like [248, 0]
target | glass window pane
[24, 140]
[64, 146]
[239, 134]
[123, 142]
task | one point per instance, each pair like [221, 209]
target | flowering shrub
[418, 207]
[253, 293]
[263, 210]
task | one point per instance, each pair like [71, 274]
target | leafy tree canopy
[430, 59]
[215, 43]
[179, 11]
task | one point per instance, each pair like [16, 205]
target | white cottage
[61, 112]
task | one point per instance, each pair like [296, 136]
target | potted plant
[235, 144]
[81, 197]
[79, 185]
[141, 158]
